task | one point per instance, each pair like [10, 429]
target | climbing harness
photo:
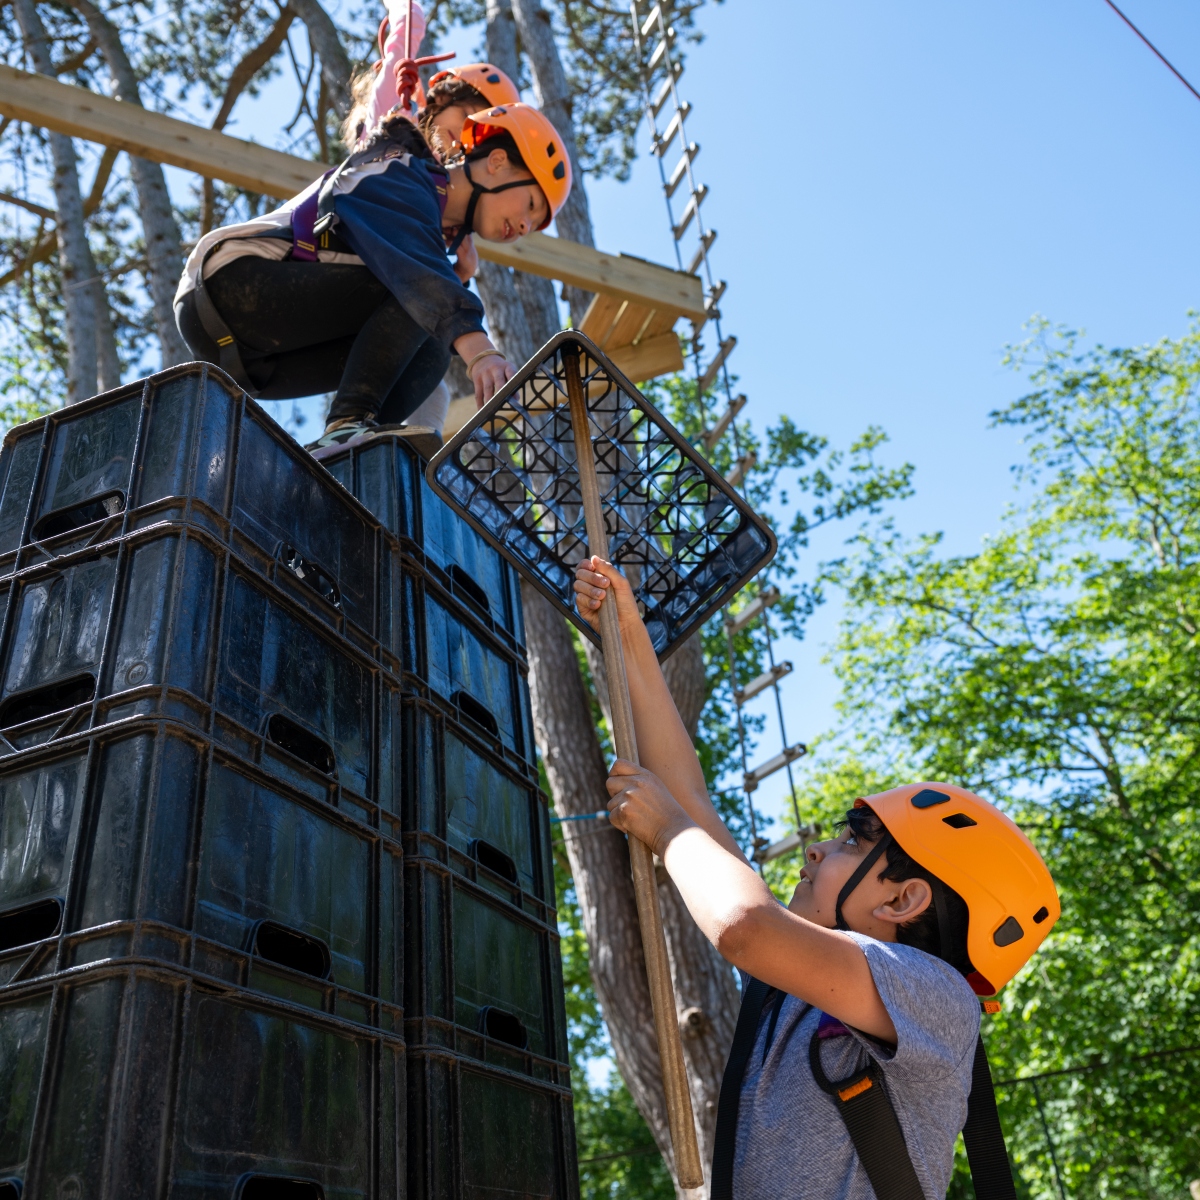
[312, 229]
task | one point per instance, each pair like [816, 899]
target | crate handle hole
[312, 574]
[31, 923]
[278, 1187]
[64, 520]
[462, 583]
[291, 948]
[492, 857]
[44, 701]
[295, 739]
[503, 1026]
[477, 712]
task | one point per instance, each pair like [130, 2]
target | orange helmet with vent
[540, 144]
[972, 847]
[490, 82]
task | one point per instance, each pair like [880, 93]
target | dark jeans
[307, 328]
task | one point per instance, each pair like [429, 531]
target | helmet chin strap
[477, 190]
[859, 875]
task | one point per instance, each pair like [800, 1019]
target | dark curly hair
[924, 931]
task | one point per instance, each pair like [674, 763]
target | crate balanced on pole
[530, 475]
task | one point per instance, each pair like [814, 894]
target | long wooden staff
[654, 945]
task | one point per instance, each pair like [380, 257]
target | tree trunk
[706, 990]
[335, 64]
[574, 222]
[163, 254]
[83, 290]
[599, 858]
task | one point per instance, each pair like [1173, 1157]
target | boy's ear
[912, 898]
[497, 161]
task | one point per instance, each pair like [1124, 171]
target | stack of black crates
[276, 903]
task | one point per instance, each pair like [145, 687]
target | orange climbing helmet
[540, 144]
[489, 81]
[972, 847]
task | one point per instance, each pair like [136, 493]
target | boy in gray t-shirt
[928, 898]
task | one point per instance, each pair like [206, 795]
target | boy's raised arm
[663, 744]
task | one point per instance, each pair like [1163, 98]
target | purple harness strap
[304, 219]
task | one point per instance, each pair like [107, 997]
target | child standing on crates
[857, 1058]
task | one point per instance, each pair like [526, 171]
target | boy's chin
[802, 905]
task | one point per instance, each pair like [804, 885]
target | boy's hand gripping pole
[654, 946]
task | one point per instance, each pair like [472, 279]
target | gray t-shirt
[791, 1141]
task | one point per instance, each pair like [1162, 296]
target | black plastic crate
[130, 1082]
[471, 809]
[458, 658]
[167, 621]
[483, 976]
[188, 445]
[153, 823]
[388, 477]
[480, 1134]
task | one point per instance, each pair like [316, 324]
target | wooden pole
[645, 887]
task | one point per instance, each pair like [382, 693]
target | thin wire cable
[1161, 56]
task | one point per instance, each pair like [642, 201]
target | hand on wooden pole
[654, 946]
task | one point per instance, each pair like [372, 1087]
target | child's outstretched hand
[642, 807]
[594, 579]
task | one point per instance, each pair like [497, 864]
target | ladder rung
[693, 207]
[712, 436]
[705, 245]
[648, 23]
[661, 49]
[788, 755]
[723, 352]
[663, 144]
[754, 609]
[680, 173]
[746, 463]
[664, 92]
[793, 841]
[760, 683]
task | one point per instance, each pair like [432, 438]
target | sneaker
[340, 434]
[424, 439]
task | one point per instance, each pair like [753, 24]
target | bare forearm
[664, 746]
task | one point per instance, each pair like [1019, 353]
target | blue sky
[897, 189]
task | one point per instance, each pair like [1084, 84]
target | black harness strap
[870, 1118]
[754, 998]
[983, 1136]
[230, 357]
[866, 1108]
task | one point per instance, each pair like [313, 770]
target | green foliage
[1058, 671]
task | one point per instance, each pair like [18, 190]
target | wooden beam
[616, 275]
[83, 114]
